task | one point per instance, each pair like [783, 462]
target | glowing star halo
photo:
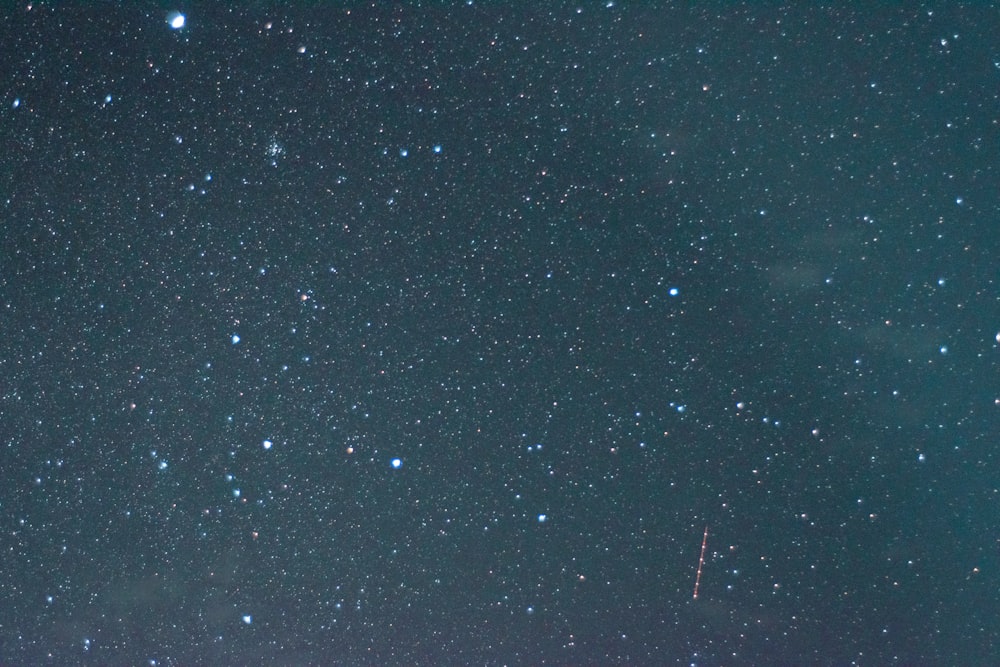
[176, 20]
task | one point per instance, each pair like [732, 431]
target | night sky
[439, 335]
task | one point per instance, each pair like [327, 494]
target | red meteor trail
[701, 562]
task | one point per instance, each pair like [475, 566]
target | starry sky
[439, 335]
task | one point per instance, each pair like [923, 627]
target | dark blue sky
[595, 277]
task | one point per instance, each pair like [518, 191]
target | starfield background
[437, 334]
